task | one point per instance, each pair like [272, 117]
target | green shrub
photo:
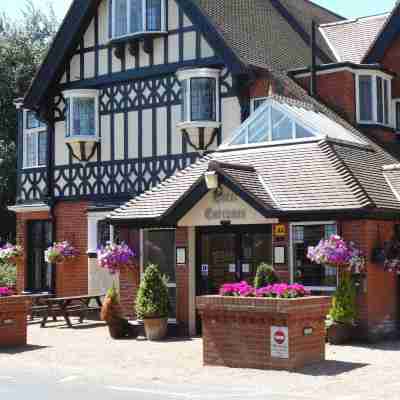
[113, 294]
[8, 275]
[265, 276]
[344, 302]
[152, 300]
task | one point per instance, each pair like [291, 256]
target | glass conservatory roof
[276, 122]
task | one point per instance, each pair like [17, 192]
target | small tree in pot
[152, 303]
[265, 276]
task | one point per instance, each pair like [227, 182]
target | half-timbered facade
[133, 92]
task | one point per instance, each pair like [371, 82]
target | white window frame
[291, 252]
[253, 100]
[144, 20]
[76, 94]
[188, 75]
[36, 132]
[374, 75]
[394, 115]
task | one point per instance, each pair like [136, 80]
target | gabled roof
[384, 39]
[245, 33]
[350, 39]
[315, 176]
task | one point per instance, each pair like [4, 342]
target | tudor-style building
[188, 129]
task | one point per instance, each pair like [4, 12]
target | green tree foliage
[344, 302]
[152, 300]
[8, 275]
[23, 44]
[265, 276]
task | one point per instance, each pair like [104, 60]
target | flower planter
[155, 328]
[13, 320]
[338, 333]
[263, 333]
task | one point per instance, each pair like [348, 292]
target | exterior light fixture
[82, 119]
[200, 119]
[211, 179]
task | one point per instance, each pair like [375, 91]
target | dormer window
[373, 98]
[134, 17]
[81, 127]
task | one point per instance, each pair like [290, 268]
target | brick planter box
[13, 320]
[263, 333]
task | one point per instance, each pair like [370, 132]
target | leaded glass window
[365, 98]
[120, 18]
[34, 142]
[153, 15]
[84, 116]
[203, 94]
[136, 15]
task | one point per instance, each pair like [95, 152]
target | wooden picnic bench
[67, 305]
[38, 305]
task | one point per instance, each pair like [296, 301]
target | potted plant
[60, 252]
[11, 254]
[265, 276]
[113, 257]
[111, 313]
[152, 303]
[348, 259]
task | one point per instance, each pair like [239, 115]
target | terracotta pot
[155, 328]
[339, 333]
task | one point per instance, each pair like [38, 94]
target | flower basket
[115, 257]
[11, 254]
[60, 252]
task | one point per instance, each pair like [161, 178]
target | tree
[23, 44]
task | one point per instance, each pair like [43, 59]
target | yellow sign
[280, 230]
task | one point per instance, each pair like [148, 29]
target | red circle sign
[279, 337]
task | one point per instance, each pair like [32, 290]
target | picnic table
[74, 304]
[37, 303]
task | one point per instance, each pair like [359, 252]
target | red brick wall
[71, 225]
[283, 270]
[13, 320]
[391, 61]
[336, 90]
[378, 298]
[22, 232]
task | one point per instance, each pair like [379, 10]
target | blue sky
[347, 8]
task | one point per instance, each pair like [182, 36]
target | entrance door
[231, 255]
[40, 275]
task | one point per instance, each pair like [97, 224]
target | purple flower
[5, 292]
[113, 257]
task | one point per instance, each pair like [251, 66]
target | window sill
[33, 168]
[82, 138]
[198, 124]
[136, 36]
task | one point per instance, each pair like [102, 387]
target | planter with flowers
[116, 258]
[278, 326]
[11, 254]
[349, 261]
[60, 252]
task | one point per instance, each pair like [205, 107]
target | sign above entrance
[222, 206]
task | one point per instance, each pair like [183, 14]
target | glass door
[40, 275]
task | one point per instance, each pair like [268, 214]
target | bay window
[34, 142]
[373, 98]
[200, 95]
[131, 17]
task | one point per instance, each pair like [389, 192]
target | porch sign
[221, 206]
[279, 342]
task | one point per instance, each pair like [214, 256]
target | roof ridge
[345, 172]
[354, 20]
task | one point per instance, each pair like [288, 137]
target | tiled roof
[392, 176]
[259, 31]
[351, 39]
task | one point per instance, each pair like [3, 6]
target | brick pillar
[182, 285]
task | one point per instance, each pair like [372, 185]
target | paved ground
[86, 357]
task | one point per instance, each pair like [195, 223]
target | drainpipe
[313, 79]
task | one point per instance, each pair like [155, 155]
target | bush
[152, 300]
[344, 302]
[265, 276]
[8, 275]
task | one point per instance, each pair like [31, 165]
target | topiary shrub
[265, 276]
[152, 300]
[344, 308]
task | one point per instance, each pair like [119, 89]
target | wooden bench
[65, 306]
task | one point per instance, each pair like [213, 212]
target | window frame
[374, 97]
[42, 128]
[395, 122]
[71, 95]
[186, 105]
[253, 101]
[144, 31]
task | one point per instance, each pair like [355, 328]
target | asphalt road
[42, 384]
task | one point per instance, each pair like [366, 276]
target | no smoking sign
[279, 342]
